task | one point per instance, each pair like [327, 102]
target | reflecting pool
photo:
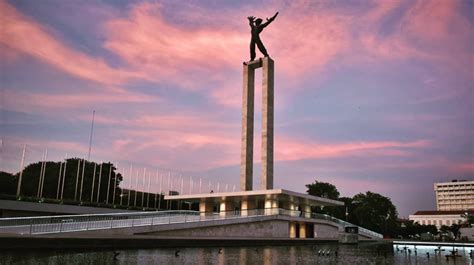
[363, 253]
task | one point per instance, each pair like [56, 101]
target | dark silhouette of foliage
[76, 175]
[323, 189]
[7, 183]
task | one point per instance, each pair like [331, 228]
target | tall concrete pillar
[246, 167]
[246, 164]
[267, 124]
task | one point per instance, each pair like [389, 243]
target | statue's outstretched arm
[251, 19]
[270, 20]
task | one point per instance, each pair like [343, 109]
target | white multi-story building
[454, 201]
[454, 195]
[439, 218]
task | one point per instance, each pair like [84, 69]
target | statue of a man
[257, 27]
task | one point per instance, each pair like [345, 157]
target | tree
[323, 189]
[75, 169]
[375, 212]
[7, 183]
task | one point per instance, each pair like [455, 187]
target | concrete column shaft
[246, 164]
[267, 123]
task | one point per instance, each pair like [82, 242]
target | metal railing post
[31, 226]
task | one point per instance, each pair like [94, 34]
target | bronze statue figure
[257, 27]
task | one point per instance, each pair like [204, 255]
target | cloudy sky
[369, 95]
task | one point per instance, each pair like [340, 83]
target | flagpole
[143, 186]
[90, 139]
[136, 189]
[161, 182]
[21, 171]
[130, 185]
[115, 184]
[44, 172]
[191, 185]
[59, 179]
[93, 182]
[77, 178]
[108, 183]
[148, 191]
[156, 182]
[170, 188]
[82, 178]
[64, 177]
[40, 176]
[100, 178]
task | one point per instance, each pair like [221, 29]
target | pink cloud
[23, 35]
[168, 52]
[427, 30]
[290, 149]
[463, 168]
[43, 102]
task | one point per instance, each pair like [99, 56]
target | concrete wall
[437, 219]
[467, 232]
[252, 227]
[270, 229]
[322, 230]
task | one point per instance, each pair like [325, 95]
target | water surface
[363, 253]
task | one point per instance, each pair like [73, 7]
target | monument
[267, 201]
[266, 63]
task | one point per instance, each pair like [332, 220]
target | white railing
[344, 224]
[74, 223]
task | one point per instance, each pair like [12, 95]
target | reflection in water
[363, 253]
[267, 256]
[243, 256]
[292, 255]
[221, 256]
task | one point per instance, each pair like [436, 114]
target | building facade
[439, 218]
[454, 195]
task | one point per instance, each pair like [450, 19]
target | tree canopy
[76, 174]
[375, 212]
[370, 210]
[323, 189]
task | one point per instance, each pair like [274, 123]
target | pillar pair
[246, 168]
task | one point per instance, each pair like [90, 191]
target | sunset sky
[369, 95]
